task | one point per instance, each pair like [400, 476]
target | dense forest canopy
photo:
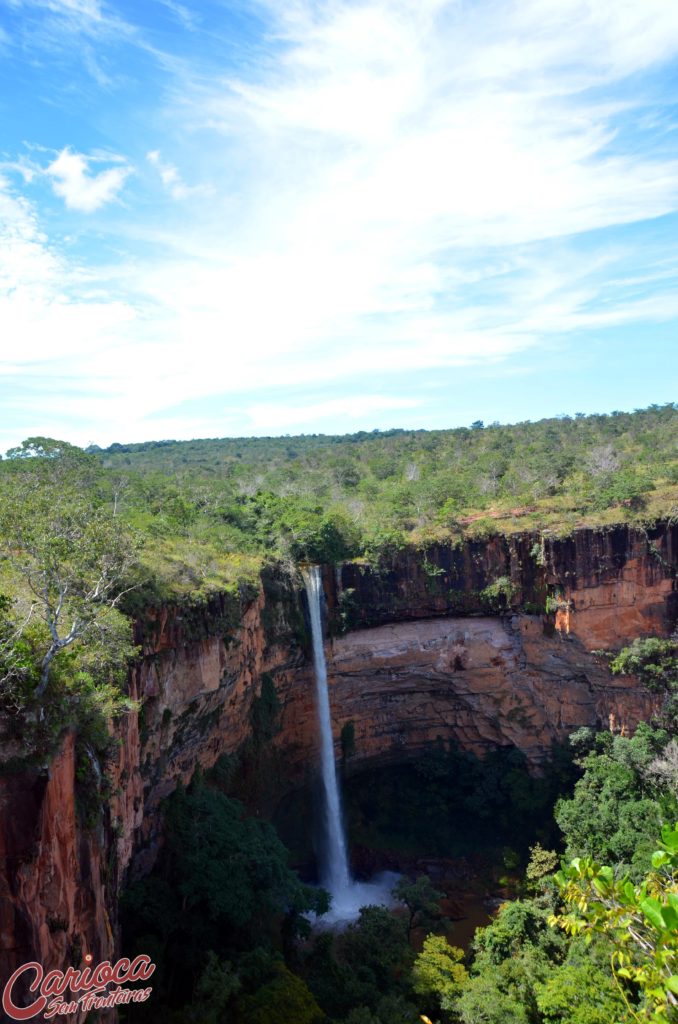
[192, 517]
[209, 511]
[562, 466]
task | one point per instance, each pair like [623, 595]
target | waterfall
[335, 874]
[347, 896]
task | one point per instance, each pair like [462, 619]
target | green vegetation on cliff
[591, 945]
[66, 562]
[596, 943]
[203, 516]
[311, 494]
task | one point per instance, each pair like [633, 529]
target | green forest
[595, 942]
[588, 854]
[206, 514]
[326, 498]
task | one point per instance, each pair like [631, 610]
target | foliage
[438, 971]
[579, 992]
[520, 923]
[19, 656]
[391, 1009]
[368, 493]
[499, 593]
[222, 884]
[230, 868]
[376, 949]
[493, 999]
[449, 802]
[618, 806]
[211, 512]
[70, 559]
[421, 900]
[640, 922]
[525, 972]
[214, 991]
[285, 999]
[655, 662]
[542, 863]
[347, 739]
[355, 970]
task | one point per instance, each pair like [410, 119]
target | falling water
[335, 875]
[347, 896]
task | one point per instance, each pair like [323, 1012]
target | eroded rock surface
[430, 652]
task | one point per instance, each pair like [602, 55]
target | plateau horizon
[363, 434]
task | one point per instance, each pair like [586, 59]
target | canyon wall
[487, 643]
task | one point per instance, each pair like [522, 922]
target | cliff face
[602, 586]
[489, 643]
[485, 682]
[54, 893]
[484, 644]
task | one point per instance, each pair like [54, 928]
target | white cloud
[396, 186]
[82, 8]
[43, 322]
[171, 178]
[188, 18]
[73, 181]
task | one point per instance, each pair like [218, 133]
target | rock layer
[487, 643]
[482, 682]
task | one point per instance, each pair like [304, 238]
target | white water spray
[347, 896]
[335, 874]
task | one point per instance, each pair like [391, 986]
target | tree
[229, 868]
[421, 900]
[527, 972]
[376, 951]
[222, 883]
[214, 991]
[70, 554]
[640, 922]
[438, 971]
[285, 999]
[17, 664]
[655, 662]
[617, 809]
[664, 769]
[541, 864]
[489, 999]
[579, 993]
[392, 1009]
[45, 448]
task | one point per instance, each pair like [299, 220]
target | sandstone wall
[428, 653]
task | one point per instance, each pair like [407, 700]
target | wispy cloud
[171, 178]
[187, 17]
[48, 317]
[390, 186]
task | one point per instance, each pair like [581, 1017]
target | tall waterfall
[347, 896]
[335, 874]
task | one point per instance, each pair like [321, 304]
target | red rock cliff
[487, 643]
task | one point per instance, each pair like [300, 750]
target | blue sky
[274, 217]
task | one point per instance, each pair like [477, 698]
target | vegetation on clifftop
[203, 516]
[315, 494]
